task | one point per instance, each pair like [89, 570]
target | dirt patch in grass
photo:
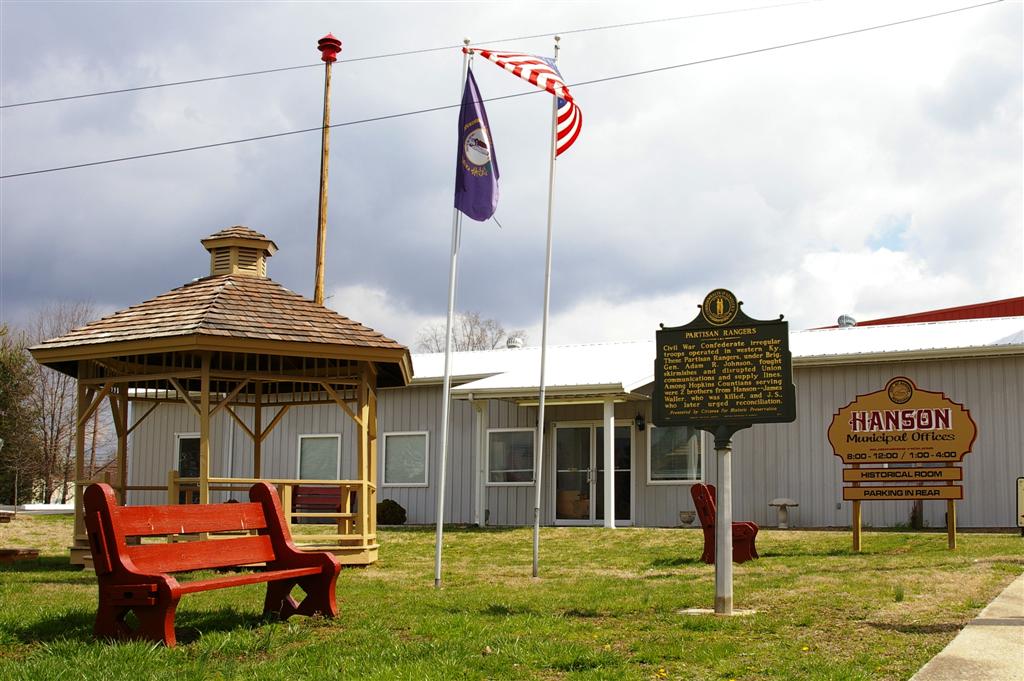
[52, 535]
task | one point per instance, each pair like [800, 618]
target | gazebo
[238, 342]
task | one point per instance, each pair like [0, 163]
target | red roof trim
[1007, 307]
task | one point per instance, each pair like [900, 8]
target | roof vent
[846, 321]
[514, 343]
[239, 250]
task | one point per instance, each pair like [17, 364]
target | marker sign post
[906, 426]
[721, 373]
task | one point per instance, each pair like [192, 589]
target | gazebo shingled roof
[236, 306]
[227, 305]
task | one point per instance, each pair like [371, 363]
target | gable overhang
[528, 396]
[65, 357]
[456, 380]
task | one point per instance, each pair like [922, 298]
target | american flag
[542, 73]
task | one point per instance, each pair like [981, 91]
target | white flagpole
[539, 466]
[456, 236]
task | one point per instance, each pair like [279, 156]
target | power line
[158, 85]
[792, 44]
[494, 99]
[399, 54]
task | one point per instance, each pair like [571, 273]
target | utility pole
[329, 47]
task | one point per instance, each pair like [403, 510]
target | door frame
[552, 456]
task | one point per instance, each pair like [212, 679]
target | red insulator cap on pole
[330, 46]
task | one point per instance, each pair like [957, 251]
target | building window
[319, 457]
[186, 462]
[405, 459]
[673, 455]
[510, 456]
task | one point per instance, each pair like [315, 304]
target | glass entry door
[574, 475]
[579, 474]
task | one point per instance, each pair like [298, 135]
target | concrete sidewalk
[989, 648]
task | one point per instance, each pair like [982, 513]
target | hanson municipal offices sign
[902, 424]
[918, 435]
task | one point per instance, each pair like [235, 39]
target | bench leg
[320, 599]
[279, 602]
[744, 550]
[709, 547]
[156, 622]
[110, 622]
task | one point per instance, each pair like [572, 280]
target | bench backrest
[324, 498]
[110, 525]
[704, 501]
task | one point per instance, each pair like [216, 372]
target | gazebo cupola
[239, 250]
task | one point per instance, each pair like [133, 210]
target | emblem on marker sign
[720, 307]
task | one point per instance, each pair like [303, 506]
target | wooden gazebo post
[82, 403]
[119, 409]
[204, 429]
[257, 428]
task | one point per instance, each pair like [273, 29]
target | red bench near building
[136, 577]
[342, 506]
[743, 533]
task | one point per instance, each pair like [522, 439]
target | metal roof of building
[623, 367]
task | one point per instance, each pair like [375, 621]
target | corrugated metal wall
[418, 409]
[779, 460]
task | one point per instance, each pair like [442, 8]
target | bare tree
[469, 332]
[53, 399]
[17, 418]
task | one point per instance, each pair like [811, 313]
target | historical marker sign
[902, 423]
[723, 368]
[723, 372]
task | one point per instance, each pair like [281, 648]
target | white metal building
[591, 388]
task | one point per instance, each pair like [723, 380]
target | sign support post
[856, 526]
[721, 373]
[951, 523]
[723, 520]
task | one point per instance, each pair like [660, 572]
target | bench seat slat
[147, 521]
[198, 555]
[247, 578]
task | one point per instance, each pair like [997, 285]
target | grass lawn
[606, 606]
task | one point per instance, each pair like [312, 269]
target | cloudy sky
[873, 174]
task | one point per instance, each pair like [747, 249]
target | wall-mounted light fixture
[639, 421]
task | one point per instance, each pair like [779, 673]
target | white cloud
[377, 309]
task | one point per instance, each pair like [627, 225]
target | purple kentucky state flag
[476, 173]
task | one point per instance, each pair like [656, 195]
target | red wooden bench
[325, 499]
[743, 533]
[136, 578]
